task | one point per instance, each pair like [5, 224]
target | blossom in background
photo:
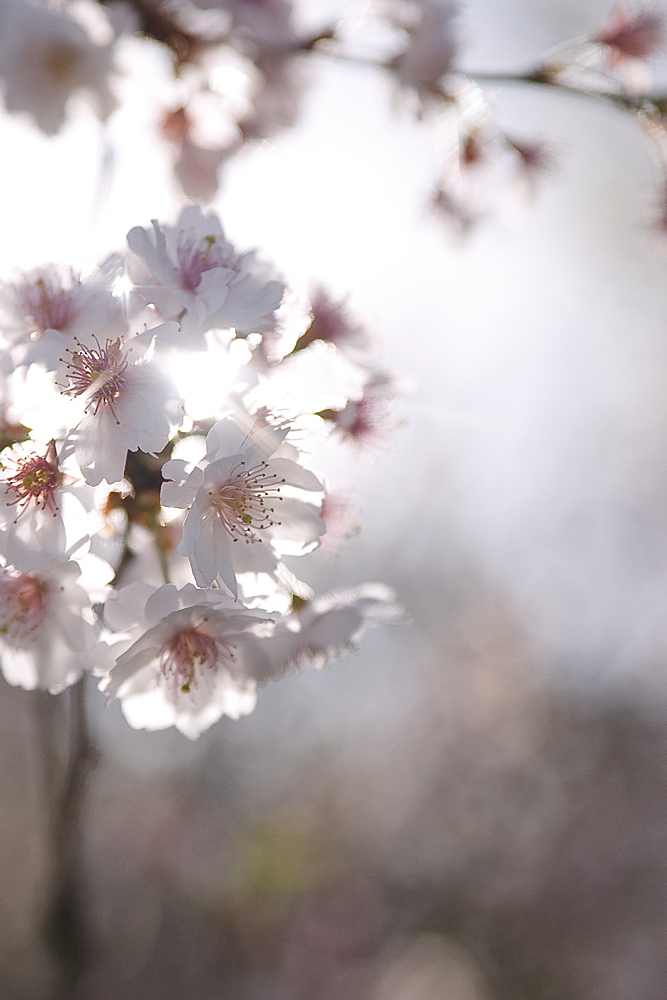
[320, 630]
[243, 512]
[633, 34]
[630, 39]
[46, 627]
[44, 310]
[47, 55]
[341, 514]
[129, 404]
[181, 668]
[432, 44]
[196, 165]
[330, 323]
[366, 421]
[191, 273]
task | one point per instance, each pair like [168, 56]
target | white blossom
[129, 404]
[46, 56]
[46, 627]
[181, 669]
[43, 311]
[243, 514]
[192, 273]
[42, 515]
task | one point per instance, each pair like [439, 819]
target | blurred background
[474, 807]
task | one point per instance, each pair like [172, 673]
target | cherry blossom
[192, 273]
[320, 630]
[41, 509]
[46, 56]
[47, 627]
[245, 506]
[129, 404]
[181, 668]
[45, 309]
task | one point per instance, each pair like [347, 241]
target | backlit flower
[46, 627]
[129, 404]
[182, 669]
[244, 512]
[46, 56]
[194, 275]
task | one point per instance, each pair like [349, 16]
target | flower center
[36, 478]
[47, 302]
[195, 257]
[98, 372]
[22, 607]
[243, 501]
[190, 657]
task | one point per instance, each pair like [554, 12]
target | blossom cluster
[158, 423]
[238, 70]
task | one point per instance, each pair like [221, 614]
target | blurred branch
[65, 925]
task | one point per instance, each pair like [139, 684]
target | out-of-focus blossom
[342, 516]
[633, 34]
[129, 404]
[45, 310]
[195, 166]
[46, 627]
[46, 56]
[181, 669]
[331, 324]
[192, 273]
[629, 40]
[366, 421]
[320, 630]
[244, 513]
[432, 44]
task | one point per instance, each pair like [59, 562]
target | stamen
[98, 372]
[241, 502]
[190, 658]
[36, 478]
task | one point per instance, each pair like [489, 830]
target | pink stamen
[189, 656]
[242, 501]
[98, 372]
[36, 478]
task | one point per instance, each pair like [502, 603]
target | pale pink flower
[245, 508]
[46, 56]
[633, 34]
[44, 310]
[42, 520]
[432, 45]
[129, 404]
[331, 323]
[366, 421]
[182, 667]
[191, 273]
[46, 627]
